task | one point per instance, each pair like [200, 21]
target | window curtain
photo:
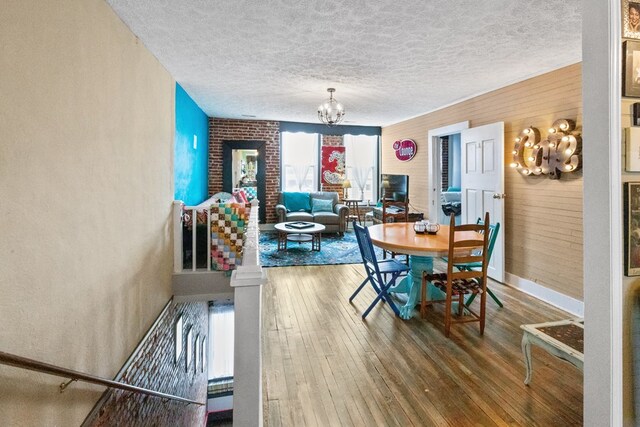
[300, 173]
[360, 164]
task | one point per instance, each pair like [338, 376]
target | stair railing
[35, 365]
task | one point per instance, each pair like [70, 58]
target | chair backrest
[366, 249]
[461, 250]
[493, 235]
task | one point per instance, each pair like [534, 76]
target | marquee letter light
[559, 152]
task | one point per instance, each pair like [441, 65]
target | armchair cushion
[321, 205]
[296, 202]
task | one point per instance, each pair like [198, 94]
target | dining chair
[459, 283]
[374, 270]
[493, 235]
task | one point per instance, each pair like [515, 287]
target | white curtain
[221, 329]
[360, 157]
[300, 172]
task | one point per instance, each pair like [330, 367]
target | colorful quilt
[228, 224]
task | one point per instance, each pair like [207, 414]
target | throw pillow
[322, 205]
[296, 202]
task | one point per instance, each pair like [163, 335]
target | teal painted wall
[190, 165]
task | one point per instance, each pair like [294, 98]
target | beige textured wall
[86, 179]
[543, 217]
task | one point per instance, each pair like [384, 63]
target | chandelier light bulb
[331, 112]
[526, 131]
[518, 139]
[568, 167]
[531, 158]
[568, 151]
[552, 144]
[514, 165]
[552, 130]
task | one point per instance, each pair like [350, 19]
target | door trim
[227, 174]
[435, 174]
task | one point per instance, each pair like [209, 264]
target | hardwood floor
[324, 366]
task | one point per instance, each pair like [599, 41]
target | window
[221, 329]
[361, 152]
[299, 161]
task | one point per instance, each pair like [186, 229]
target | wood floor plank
[324, 365]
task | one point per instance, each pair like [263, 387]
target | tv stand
[392, 211]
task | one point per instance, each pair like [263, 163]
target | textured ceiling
[388, 59]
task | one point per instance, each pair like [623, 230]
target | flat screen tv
[394, 187]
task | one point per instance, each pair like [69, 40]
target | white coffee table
[287, 231]
[564, 339]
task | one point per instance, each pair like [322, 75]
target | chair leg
[382, 296]
[359, 289]
[494, 297]
[470, 300]
[483, 304]
[447, 314]
[460, 305]
[491, 294]
[423, 298]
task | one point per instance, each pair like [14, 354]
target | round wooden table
[400, 237]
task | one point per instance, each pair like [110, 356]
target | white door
[483, 184]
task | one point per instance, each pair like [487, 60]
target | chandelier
[330, 112]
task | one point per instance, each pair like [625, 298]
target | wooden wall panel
[543, 217]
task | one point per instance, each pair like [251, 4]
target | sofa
[322, 207]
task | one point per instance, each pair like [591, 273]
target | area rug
[334, 249]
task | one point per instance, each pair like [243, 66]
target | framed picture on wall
[632, 228]
[631, 69]
[630, 19]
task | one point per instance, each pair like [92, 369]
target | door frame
[435, 172]
[227, 173]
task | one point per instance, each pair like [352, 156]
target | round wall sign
[405, 149]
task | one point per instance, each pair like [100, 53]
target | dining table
[422, 248]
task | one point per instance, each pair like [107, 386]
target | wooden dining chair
[494, 229]
[456, 284]
[374, 270]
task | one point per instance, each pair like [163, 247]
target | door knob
[499, 195]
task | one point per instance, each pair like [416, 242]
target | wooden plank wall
[543, 217]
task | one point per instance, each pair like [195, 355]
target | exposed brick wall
[332, 141]
[247, 130]
[154, 367]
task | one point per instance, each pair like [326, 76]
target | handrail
[34, 365]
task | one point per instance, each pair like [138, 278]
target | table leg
[526, 351]
[282, 241]
[411, 284]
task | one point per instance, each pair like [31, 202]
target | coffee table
[564, 339]
[288, 233]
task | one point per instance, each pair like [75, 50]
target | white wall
[603, 401]
[86, 146]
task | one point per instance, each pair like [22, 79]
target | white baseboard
[563, 302]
